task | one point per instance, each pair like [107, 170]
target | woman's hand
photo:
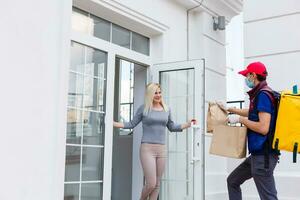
[189, 124]
[118, 124]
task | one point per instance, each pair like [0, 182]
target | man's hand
[224, 107]
[234, 119]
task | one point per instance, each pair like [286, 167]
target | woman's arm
[137, 118]
[171, 124]
[173, 127]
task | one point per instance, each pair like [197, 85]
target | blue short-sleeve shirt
[256, 141]
[264, 103]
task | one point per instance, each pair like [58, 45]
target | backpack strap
[267, 154]
[295, 151]
[269, 92]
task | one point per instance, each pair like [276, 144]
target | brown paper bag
[229, 141]
[215, 116]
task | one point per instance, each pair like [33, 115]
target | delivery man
[260, 122]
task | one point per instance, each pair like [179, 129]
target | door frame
[198, 156]
[113, 51]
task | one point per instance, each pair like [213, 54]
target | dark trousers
[254, 167]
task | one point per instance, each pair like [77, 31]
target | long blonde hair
[149, 96]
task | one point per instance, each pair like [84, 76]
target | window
[85, 123]
[86, 23]
[80, 21]
[100, 28]
[140, 43]
[121, 36]
[90, 24]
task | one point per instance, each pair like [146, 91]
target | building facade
[271, 36]
[78, 65]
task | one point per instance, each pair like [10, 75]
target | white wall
[272, 36]
[33, 104]
[235, 59]
[277, 41]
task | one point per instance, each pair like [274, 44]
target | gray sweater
[154, 125]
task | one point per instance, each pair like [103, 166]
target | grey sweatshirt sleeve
[171, 125]
[137, 118]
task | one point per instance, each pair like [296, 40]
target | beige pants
[153, 159]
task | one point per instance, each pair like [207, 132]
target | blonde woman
[155, 116]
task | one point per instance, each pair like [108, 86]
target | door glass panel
[85, 123]
[74, 126]
[178, 92]
[93, 128]
[92, 163]
[126, 71]
[126, 90]
[78, 57]
[91, 191]
[71, 192]
[72, 164]
[93, 94]
[75, 94]
[95, 63]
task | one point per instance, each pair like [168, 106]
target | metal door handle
[193, 158]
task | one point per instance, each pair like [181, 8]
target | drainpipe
[203, 129]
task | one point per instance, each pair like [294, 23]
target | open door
[183, 90]
[130, 82]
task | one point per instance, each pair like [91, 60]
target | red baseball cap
[255, 67]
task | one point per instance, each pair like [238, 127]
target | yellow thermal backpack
[287, 131]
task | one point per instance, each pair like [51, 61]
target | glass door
[178, 90]
[182, 177]
[85, 124]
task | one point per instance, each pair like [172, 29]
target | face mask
[249, 83]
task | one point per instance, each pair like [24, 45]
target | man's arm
[262, 126]
[241, 112]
